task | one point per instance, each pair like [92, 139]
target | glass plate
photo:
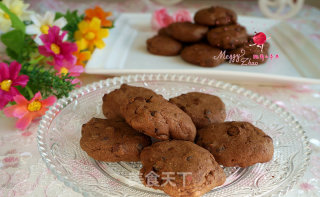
[60, 131]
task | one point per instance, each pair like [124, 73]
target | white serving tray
[126, 53]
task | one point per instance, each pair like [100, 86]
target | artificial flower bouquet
[45, 55]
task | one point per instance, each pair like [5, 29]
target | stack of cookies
[181, 142]
[212, 39]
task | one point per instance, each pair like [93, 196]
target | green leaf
[58, 15]
[18, 47]
[12, 54]
[29, 48]
[16, 22]
[46, 81]
[73, 19]
[14, 40]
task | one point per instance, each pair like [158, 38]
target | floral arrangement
[161, 18]
[45, 55]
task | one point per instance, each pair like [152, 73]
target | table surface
[23, 173]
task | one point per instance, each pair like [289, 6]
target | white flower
[41, 25]
[19, 8]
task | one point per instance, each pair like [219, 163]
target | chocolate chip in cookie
[249, 53]
[228, 37]
[112, 100]
[187, 32]
[202, 55]
[163, 45]
[215, 16]
[156, 117]
[163, 32]
[192, 169]
[203, 109]
[112, 140]
[236, 143]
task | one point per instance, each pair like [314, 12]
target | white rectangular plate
[126, 53]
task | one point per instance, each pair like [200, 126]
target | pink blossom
[26, 111]
[9, 78]
[161, 19]
[55, 47]
[67, 67]
[182, 16]
[78, 82]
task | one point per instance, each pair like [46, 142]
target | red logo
[260, 38]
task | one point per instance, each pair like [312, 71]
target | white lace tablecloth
[23, 173]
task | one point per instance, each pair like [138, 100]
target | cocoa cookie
[202, 55]
[236, 143]
[192, 169]
[187, 32]
[249, 53]
[163, 45]
[156, 117]
[163, 32]
[112, 140]
[215, 16]
[203, 109]
[228, 37]
[112, 100]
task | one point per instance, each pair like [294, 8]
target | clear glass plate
[60, 131]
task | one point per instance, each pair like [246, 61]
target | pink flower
[26, 111]
[182, 16]
[9, 77]
[77, 81]
[55, 47]
[161, 19]
[71, 68]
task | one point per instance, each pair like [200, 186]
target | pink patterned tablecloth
[23, 173]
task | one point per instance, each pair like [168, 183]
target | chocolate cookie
[112, 140]
[163, 32]
[215, 16]
[236, 143]
[112, 100]
[191, 169]
[187, 32]
[203, 109]
[228, 37]
[203, 55]
[249, 53]
[158, 118]
[163, 45]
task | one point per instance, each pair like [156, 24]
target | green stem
[33, 62]
[29, 92]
